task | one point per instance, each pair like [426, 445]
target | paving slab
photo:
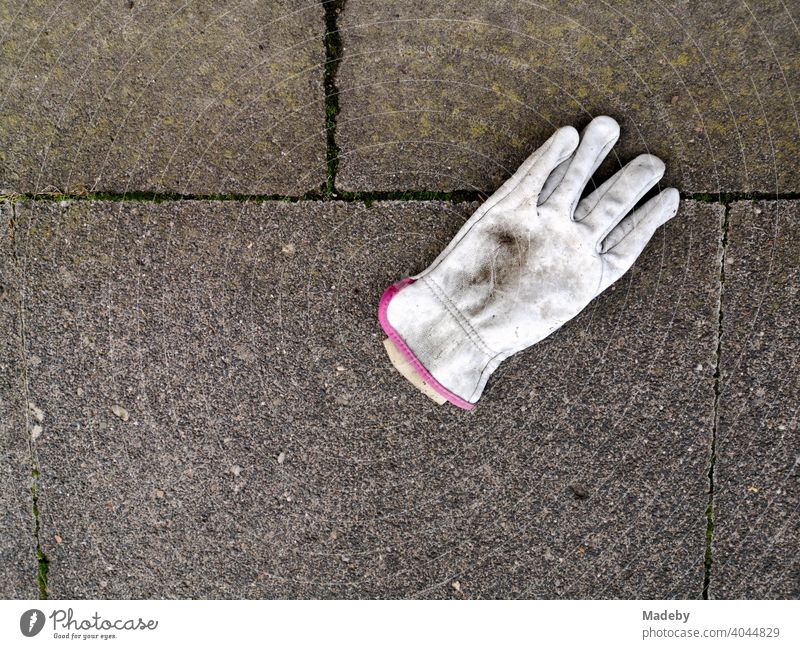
[198, 98]
[456, 94]
[18, 564]
[223, 420]
[757, 469]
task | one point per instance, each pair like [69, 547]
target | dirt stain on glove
[501, 270]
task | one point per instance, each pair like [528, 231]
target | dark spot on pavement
[579, 491]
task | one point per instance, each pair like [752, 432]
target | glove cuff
[438, 342]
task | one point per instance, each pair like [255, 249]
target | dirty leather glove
[529, 259]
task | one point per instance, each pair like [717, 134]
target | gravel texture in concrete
[222, 420]
[757, 469]
[194, 98]
[18, 565]
[456, 94]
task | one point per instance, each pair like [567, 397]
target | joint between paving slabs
[366, 197]
[708, 560]
[42, 562]
[333, 49]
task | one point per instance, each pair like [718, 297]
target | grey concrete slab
[200, 98]
[757, 494]
[457, 94]
[18, 564]
[267, 448]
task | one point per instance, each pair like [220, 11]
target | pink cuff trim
[387, 296]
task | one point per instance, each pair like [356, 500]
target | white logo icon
[31, 622]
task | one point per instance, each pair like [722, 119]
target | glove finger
[513, 181]
[597, 140]
[553, 180]
[558, 148]
[625, 242]
[609, 203]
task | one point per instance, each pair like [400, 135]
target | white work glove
[529, 259]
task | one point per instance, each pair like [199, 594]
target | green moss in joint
[333, 47]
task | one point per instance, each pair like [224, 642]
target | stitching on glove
[387, 296]
[493, 363]
[459, 317]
